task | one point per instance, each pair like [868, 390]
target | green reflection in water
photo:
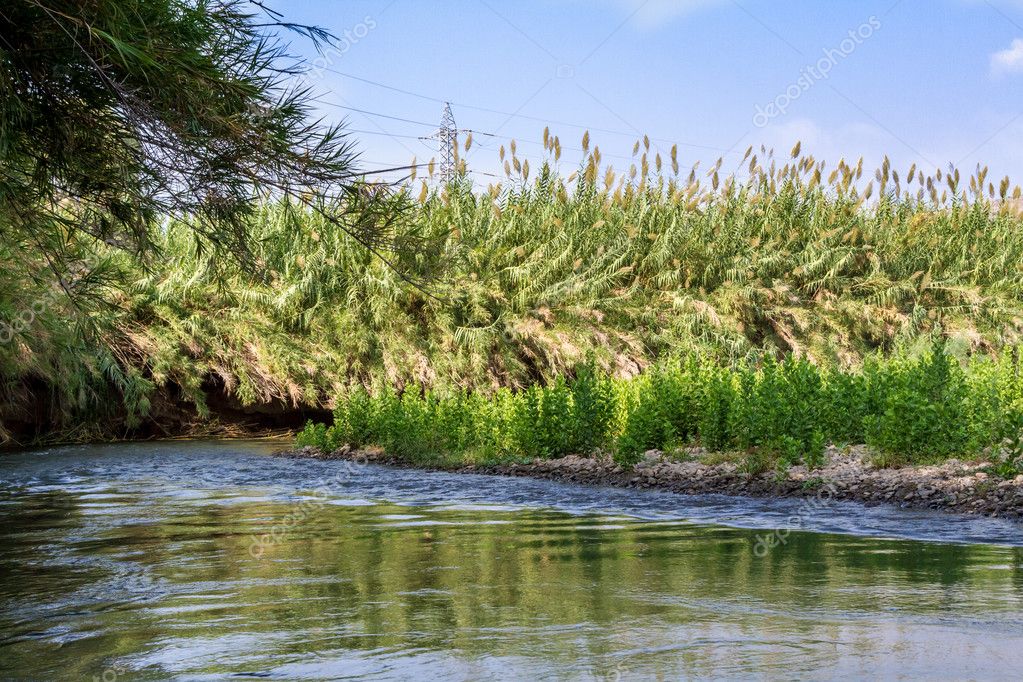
[150, 588]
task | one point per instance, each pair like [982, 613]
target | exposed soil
[953, 486]
[32, 421]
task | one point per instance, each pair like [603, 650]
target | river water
[214, 560]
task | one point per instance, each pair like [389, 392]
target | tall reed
[517, 284]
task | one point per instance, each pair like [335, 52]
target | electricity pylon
[447, 140]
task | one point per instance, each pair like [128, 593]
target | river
[214, 560]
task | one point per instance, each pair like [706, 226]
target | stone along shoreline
[953, 486]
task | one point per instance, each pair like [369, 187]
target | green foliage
[718, 397]
[117, 116]
[317, 436]
[756, 462]
[645, 426]
[776, 413]
[551, 427]
[529, 279]
[922, 409]
[353, 418]
[593, 409]
[135, 110]
[1008, 459]
[845, 404]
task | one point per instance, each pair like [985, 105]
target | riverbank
[29, 423]
[953, 486]
[659, 268]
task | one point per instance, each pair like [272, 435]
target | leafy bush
[845, 404]
[313, 435]
[778, 413]
[353, 418]
[1008, 458]
[593, 409]
[645, 426]
[922, 409]
[717, 399]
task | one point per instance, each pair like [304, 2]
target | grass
[777, 414]
[522, 283]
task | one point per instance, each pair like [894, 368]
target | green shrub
[924, 411]
[845, 405]
[313, 435]
[717, 398]
[778, 412]
[353, 418]
[593, 410]
[756, 462]
[645, 426]
[1007, 458]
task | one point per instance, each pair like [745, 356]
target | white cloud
[1009, 60]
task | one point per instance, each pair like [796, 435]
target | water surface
[213, 560]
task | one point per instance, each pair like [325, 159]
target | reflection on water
[211, 560]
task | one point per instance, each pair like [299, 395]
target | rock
[962, 490]
[651, 457]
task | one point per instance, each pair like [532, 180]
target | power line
[406, 175]
[547, 121]
[386, 87]
[387, 170]
[382, 132]
[374, 113]
[466, 130]
[396, 165]
[397, 118]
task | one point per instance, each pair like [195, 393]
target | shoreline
[954, 486]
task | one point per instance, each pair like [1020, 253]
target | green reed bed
[499, 289]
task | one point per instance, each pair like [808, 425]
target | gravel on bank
[953, 486]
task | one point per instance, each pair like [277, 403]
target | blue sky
[930, 82]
